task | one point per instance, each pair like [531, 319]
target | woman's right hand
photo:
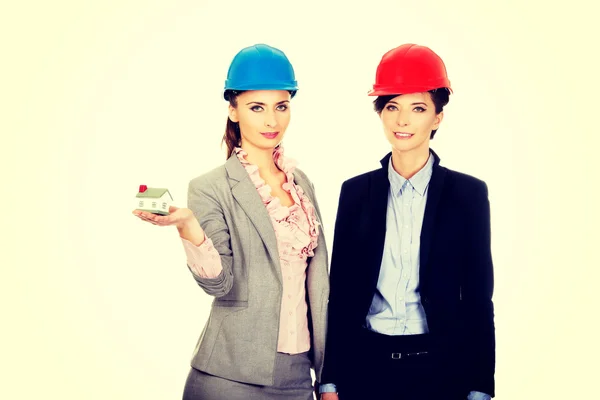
[177, 216]
[182, 218]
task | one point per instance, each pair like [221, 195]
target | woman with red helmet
[411, 315]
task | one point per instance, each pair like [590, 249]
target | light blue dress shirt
[396, 308]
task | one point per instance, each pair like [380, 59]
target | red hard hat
[409, 68]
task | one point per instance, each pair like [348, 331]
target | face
[263, 115]
[408, 120]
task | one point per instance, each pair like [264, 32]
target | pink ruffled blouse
[297, 232]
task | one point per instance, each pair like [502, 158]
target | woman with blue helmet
[252, 240]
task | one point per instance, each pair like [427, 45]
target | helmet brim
[398, 90]
[239, 88]
[263, 86]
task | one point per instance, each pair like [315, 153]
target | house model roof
[154, 193]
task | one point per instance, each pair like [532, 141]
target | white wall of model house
[152, 203]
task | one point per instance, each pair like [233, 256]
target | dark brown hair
[232, 136]
[440, 98]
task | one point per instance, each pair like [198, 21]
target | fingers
[153, 219]
[149, 220]
[157, 220]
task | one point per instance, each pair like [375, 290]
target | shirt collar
[418, 181]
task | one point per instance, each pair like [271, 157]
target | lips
[270, 135]
[403, 135]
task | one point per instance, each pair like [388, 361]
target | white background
[100, 97]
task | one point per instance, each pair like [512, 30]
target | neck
[262, 158]
[407, 164]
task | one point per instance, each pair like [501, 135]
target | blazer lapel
[247, 197]
[377, 217]
[434, 193]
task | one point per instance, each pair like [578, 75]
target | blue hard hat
[261, 67]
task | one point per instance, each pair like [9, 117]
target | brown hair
[232, 136]
[440, 98]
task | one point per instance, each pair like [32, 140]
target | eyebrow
[412, 104]
[263, 104]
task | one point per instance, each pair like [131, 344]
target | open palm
[177, 216]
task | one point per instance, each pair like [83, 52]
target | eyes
[391, 107]
[281, 107]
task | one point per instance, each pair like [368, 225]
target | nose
[270, 119]
[402, 119]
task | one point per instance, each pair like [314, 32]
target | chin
[270, 144]
[403, 147]
[408, 146]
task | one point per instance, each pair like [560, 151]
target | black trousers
[398, 368]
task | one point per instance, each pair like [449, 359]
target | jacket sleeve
[209, 213]
[476, 291]
[336, 337]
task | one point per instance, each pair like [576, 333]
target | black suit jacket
[456, 273]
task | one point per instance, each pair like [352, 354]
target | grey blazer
[239, 340]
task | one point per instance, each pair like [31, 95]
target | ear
[438, 120]
[233, 114]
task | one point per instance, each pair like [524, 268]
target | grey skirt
[292, 382]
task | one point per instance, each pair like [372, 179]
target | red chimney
[143, 188]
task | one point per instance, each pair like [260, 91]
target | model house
[154, 200]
